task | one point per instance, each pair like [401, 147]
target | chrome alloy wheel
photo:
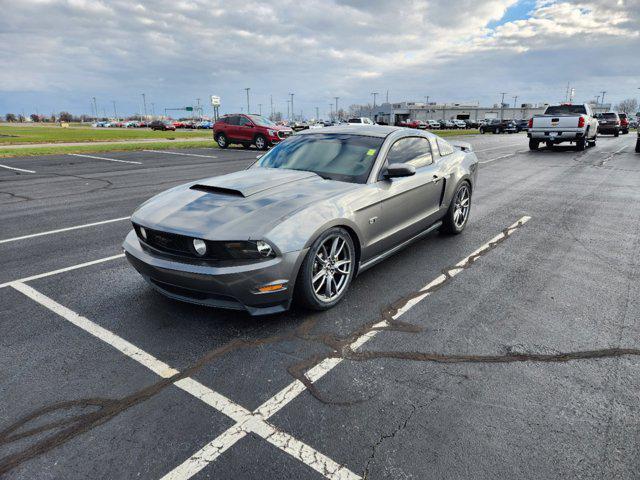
[331, 268]
[260, 143]
[462, 204]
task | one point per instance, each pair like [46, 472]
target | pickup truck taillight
[581, 122]
[531, 123]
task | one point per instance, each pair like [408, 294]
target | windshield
[565, 110]
[262, 121]
[335, 156]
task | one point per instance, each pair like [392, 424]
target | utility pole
[259, 109]
[153, 109]
[115, 113]
[502, 105]
[95, 106]
[317, 114]
[603, 92]
[288, 114]
[292, 110]
[144, 105]
[331, 111]
[337, 98]
[248, 108]
[427, 102]
[199, 108]
[515, 102]
[375, 94]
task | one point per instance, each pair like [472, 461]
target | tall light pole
[603, 92]
[375, 94]
[292, 110]
[427, 102]
[248, 107]
[515, 101]
[144, 105]
[502, 105]
[95, 106]
[317, 114]
[115, 113]
[337, 98]
[288, 114]
[331, 111]
[259, 109]
[271, 101]
[153, 109]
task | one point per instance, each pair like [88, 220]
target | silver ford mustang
[304, 219]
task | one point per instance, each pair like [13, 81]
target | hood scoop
[221, 190]
[245, 183]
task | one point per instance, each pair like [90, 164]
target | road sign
[189, 109]
[215, 101]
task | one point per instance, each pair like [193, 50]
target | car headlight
[249, 250]
[200, 246]
[272, 133]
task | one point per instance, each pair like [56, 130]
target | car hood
[238, 206]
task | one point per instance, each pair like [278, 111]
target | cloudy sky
[57, 54]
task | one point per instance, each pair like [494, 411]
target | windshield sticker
[372, 151]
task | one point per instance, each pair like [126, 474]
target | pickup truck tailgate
[551, 123]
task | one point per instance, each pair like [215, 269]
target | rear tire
[222, 141]
[482, 131]
[326, 264]
[533, 144]
[638, 146]
[581, 144]
[457, 215]
[616, 134]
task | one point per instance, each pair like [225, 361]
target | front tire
[327, 270]
[616, 134]
[533, 144]
[638, 145]
[458, 213]
[261, 142]
[222, 141]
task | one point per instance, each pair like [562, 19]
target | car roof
[380, 131]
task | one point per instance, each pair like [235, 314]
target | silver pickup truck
[564, 123]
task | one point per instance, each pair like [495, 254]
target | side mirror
[250, 125]
[399, 170]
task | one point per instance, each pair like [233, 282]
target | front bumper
[231, 287]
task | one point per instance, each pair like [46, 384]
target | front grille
[171, 243]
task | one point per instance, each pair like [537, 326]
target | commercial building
[394, 113]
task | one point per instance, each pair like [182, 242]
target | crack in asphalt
[339, 347]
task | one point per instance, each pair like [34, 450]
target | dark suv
[609, 123]
[161, 125]
[498, 126]
[248, 130]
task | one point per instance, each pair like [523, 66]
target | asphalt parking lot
[497, 353]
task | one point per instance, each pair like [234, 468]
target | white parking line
[60, 230]
[62, 270]
[498, 148]
[180, 153]
[17, 169]
[104, 158]
[246, 421]
[498, 158]
[199, 459]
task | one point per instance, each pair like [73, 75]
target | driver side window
[415, 151]
[244, 121]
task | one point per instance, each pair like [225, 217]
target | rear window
[354, 120]
[610, 116]
[566, 110]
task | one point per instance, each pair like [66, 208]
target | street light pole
[515, 101]
[115, 113]
[293, 114]
[144, 105]
[248, 107]
[337, 98]
[317, 114]
[95, 106]
[259, 109]
[502, 106]
[603, 92]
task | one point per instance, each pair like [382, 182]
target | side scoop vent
[219, 190]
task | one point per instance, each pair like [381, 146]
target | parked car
[410, 123]
[521, 125]
[448, 124]
[131, 124]
[433, 124]
[304, 220]
[161, 125]
[459, 123]
[248, 130]
[609, 124]
[205, 124]
[360, 121]
[499, 126]
[564, 123]
[624, 123]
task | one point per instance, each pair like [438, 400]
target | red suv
[248, 130]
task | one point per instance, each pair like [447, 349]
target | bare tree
[10, 117]
[34, 117]
[65, 117]
[629, 105]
